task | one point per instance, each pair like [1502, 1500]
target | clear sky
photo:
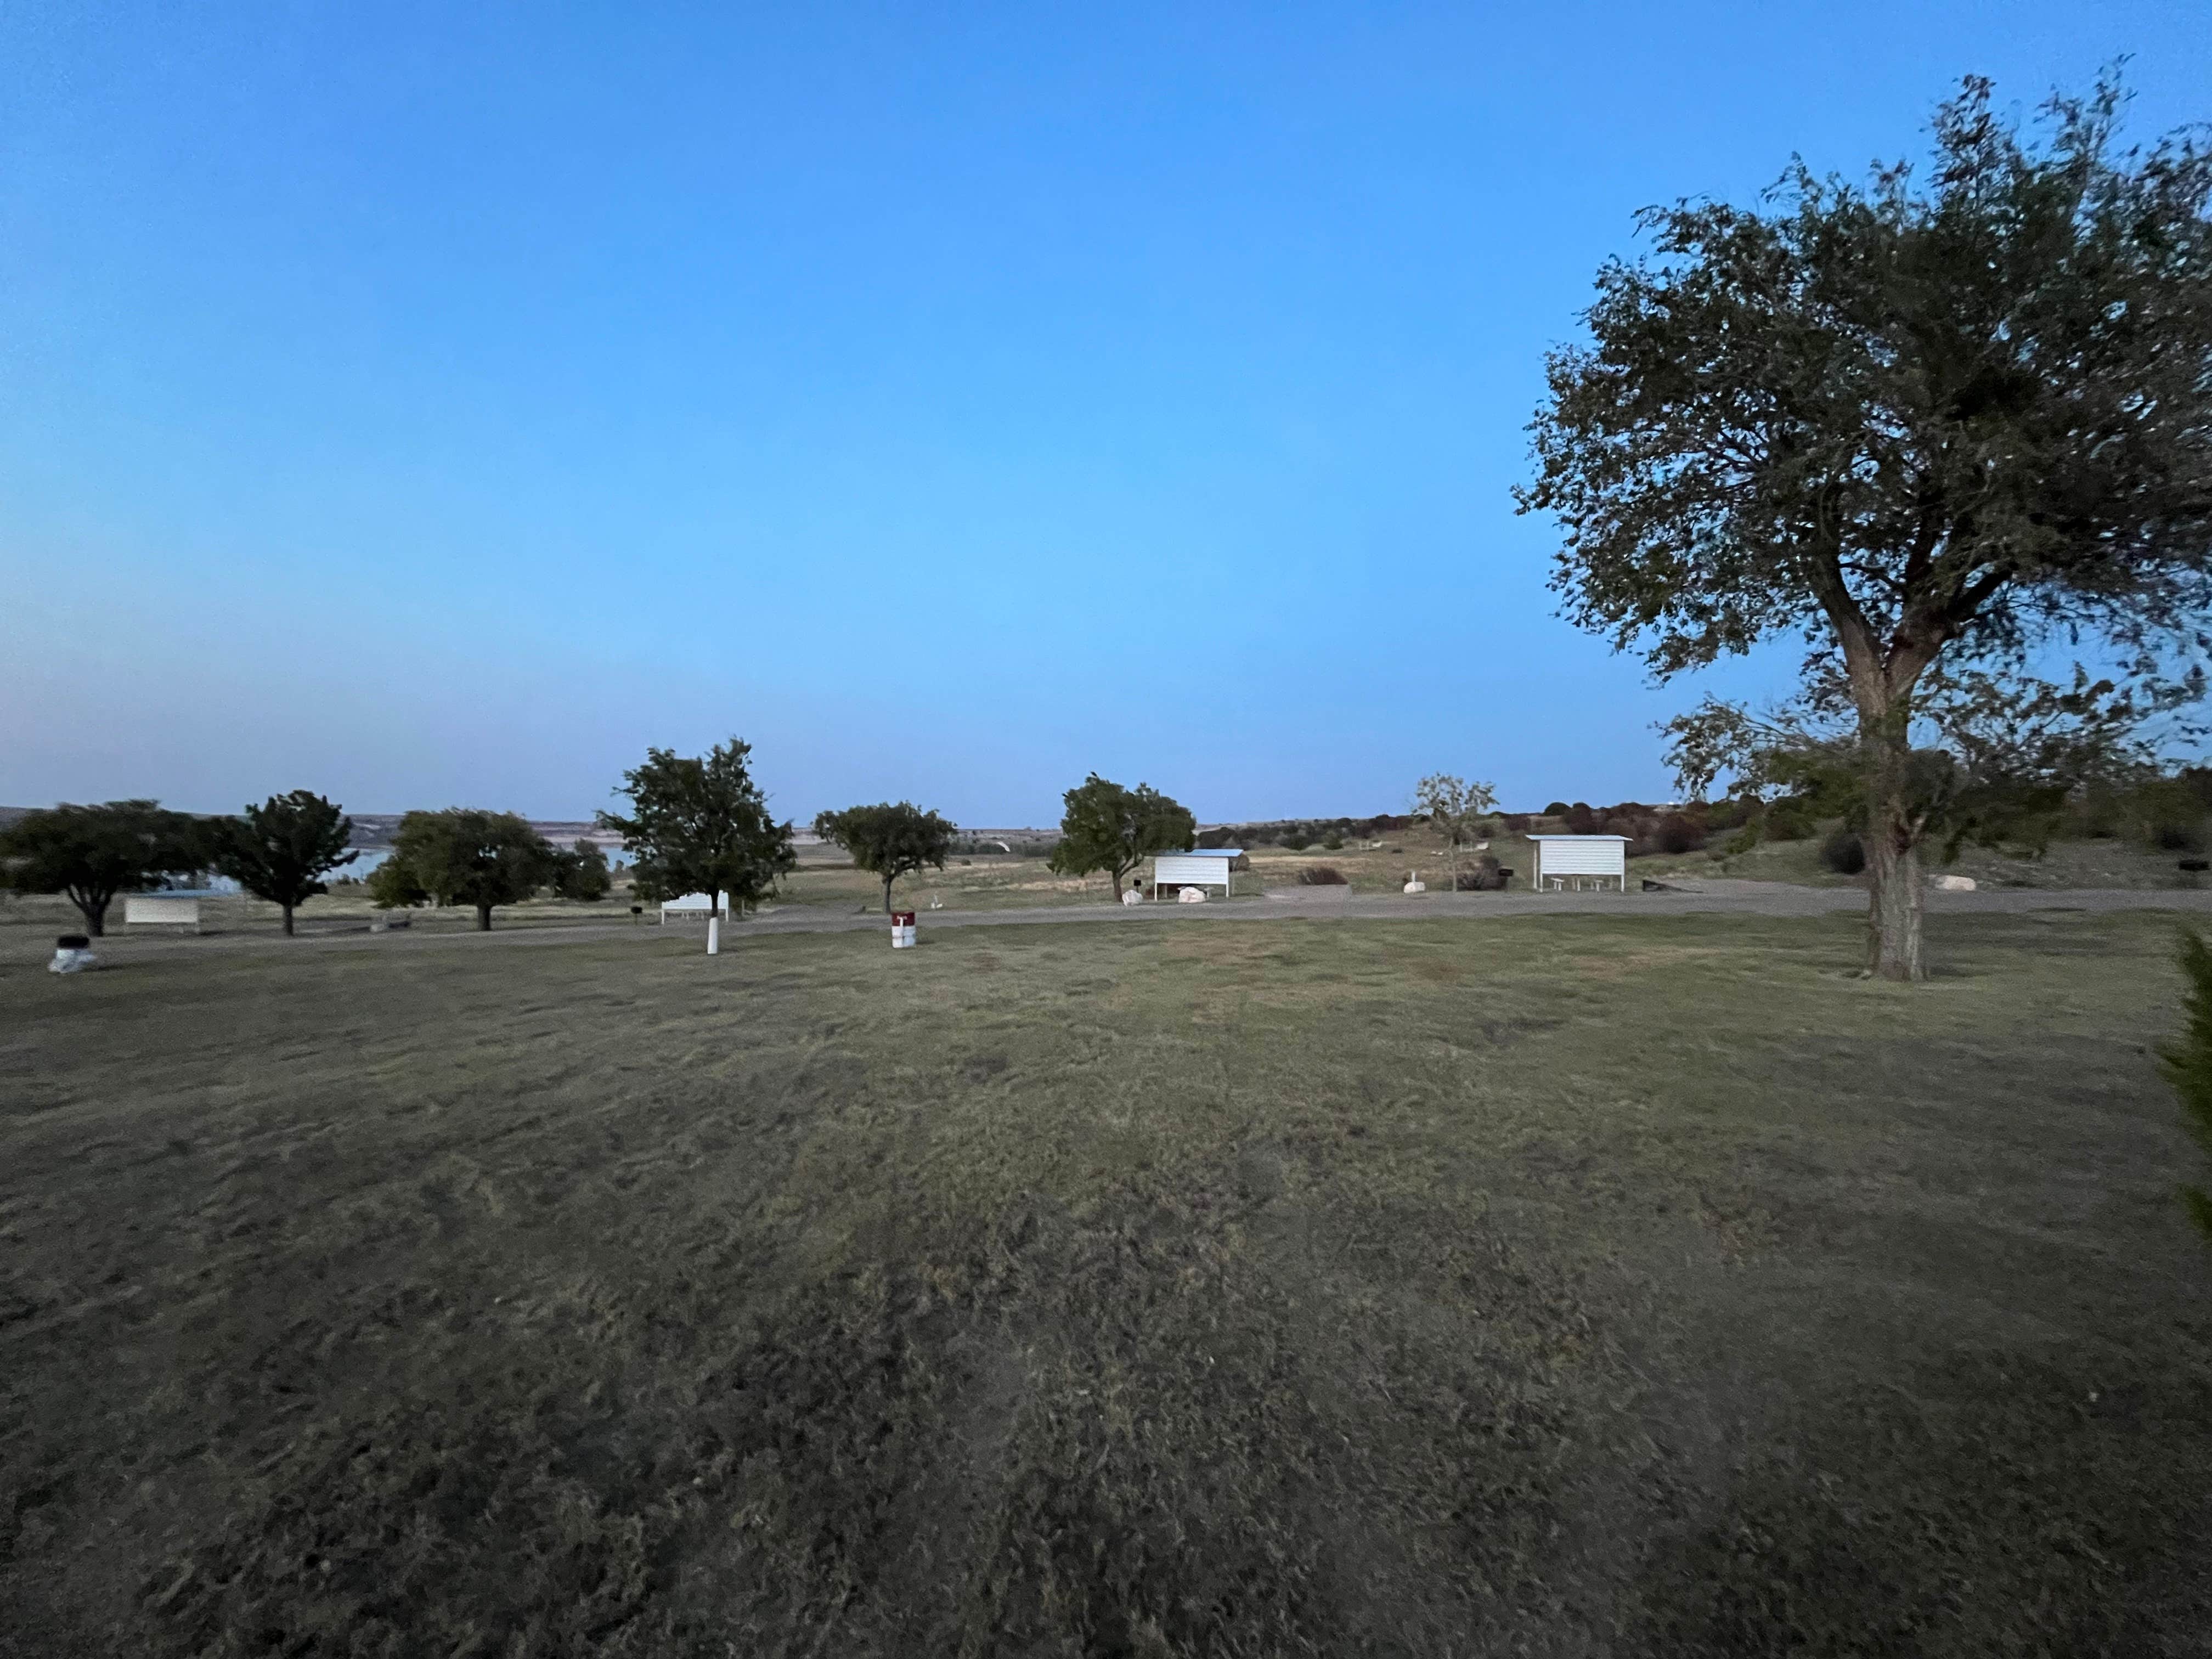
[437, 405]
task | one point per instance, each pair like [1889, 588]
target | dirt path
[1751, 898]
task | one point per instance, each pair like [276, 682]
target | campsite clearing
[1591, 1283]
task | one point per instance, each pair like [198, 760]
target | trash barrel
[901, 929]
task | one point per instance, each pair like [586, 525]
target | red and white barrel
[901, 930]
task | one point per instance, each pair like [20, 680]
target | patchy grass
[1551, 1285]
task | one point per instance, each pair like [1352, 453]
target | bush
[1844, 852]
[1334, 843]
[2168, 815]
[1483, 876]
[1321, 875]
[1296, 841]
[1677, 833]
[1743, 840]
[1788, 819]
[1557, 809]
[1728, 814]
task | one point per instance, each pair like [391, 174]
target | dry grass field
[1552, 1285]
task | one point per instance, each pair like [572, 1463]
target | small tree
[2188, 1065]
[892, 841]
[462, 856]
[1927, 428]
[581, 872]
[1106, 827]
[701, 826]
[282, 849]
[93, 852]
[1453, 805]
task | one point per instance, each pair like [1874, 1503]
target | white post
[714, 932]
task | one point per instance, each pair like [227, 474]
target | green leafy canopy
[700, 825]
[1106, 827]
[891, 840]
[93, 853]
[282, 849]
[464, 856]
[1935, 426]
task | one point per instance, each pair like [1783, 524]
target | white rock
[1417, 887]
[1133, 897]
[1952, 884]
[1191, 895]
[72, 962]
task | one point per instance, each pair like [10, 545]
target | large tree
[888, 839]
[282, 849]
[1106, 827]
[581, 872]
[700, 825]
[463, 856]
[93, 852]
[1935, 426]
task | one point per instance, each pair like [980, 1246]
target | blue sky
[439, 405]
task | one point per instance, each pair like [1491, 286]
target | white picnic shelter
[1564, 861]
[1208, 866]
[691, 907]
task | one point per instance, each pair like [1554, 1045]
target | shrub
[1844, 852]
[1580, 821]
[1482, 876]
[2168, 815]
[1333, 842]
[1677, 833]
[1321, 875]
[1557, 809]
[1728, 814]
[1743, 840]
[1788, 819]
[1296, 840]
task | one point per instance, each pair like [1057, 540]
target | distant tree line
[283, 851]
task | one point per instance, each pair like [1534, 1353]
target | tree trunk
[96, 917]
[483, 917]
[887, 880]
[1895, 903]
[288, 921]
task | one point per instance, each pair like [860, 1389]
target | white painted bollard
[901, 930]
[715, 935]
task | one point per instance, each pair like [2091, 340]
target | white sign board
[139, 910]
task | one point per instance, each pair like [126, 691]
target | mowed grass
[1559, 1284]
